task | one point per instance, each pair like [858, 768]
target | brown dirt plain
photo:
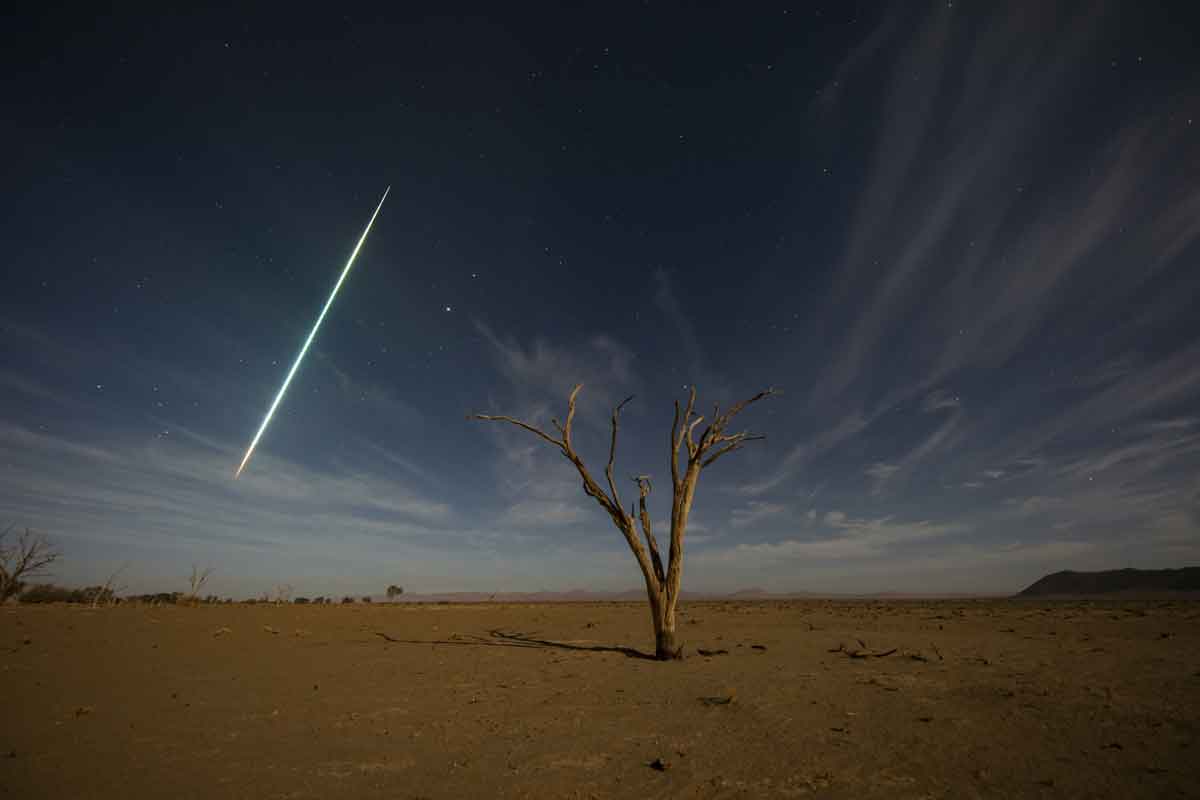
[982, 699]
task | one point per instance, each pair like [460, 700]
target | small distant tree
[28, 556]
[394, 591]
[196, 582]
[106, 594]
[662, 582]
[347, 600]
[301, 601]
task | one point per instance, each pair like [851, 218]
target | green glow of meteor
[311, 335]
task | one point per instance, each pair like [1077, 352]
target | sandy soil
[981, 699]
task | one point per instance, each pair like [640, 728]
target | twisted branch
[612, 452]
[644, 488]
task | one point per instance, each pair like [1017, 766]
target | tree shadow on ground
[499, 638]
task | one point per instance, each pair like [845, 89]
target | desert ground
[977, 699]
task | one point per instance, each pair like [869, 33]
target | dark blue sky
[963, 243]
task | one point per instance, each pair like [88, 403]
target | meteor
[311, 335]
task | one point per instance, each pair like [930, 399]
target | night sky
[963, 243]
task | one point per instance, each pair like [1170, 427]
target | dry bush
[29, 556]
[196, 582]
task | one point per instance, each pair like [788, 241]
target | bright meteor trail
[311, 335]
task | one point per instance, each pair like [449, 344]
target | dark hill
[1186, 579]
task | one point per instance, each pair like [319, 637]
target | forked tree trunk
[662, 585]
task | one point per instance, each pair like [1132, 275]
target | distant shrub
[161, 598]
[347, 600]
[366, 598]
[100, 596]
[49, 593]
[301, 601]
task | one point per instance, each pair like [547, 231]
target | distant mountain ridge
[1184, 579]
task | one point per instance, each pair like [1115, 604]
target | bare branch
[590, 487]
[644, 488]
[736, 443]
[519, 424]
[566, 429]
[679, 434]
[727, 449]
[737, 408]
[612, 452]
[715, 434]
[691, 444]
[675, 447]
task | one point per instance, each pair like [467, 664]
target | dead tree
[27, 557]
[662, 580]
[106, 595]
[196, 582]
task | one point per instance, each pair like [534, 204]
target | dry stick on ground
[28, 557]
[864, 651]
[662, 584]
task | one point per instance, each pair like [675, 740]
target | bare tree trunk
[666, 645]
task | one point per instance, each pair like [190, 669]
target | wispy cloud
[850, 539]
[148, 495]
[1009, 278]
[369, 394]
[755, 512]
[543, 371]
[697, 363]
[807, 451]
[881, 472]
[543, 514]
